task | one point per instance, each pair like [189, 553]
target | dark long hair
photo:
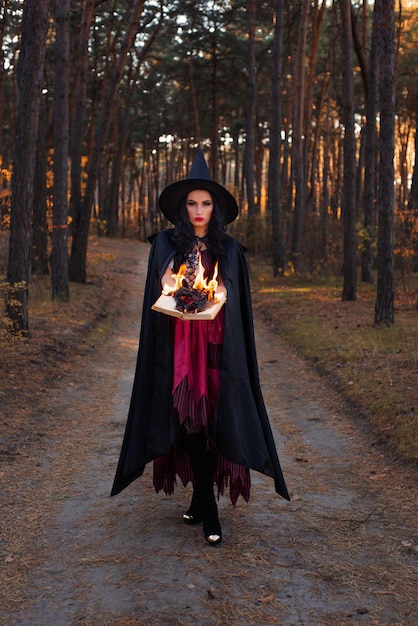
[185, 238]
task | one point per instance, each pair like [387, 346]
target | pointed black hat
[199, 178]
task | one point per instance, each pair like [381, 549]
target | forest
[306, 110]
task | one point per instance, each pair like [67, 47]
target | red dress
[196, 381]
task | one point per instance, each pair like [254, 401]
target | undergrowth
[374, 367]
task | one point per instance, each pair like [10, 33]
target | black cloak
[240, 429]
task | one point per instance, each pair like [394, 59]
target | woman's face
[199, 205]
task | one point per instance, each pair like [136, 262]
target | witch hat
[199, 178]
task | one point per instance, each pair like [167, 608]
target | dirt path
[342, 552]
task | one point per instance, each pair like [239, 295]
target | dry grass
[374, 367]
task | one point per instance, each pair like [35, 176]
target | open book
[167, 305]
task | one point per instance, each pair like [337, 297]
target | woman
[196, 408]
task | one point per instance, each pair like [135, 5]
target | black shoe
[188, 518]
[214, 539]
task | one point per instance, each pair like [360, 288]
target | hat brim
[169, 200]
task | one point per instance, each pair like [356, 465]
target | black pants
[203, 462]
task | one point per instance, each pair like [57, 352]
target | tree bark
[29, 77]
[349, 176]
[385, 23]
[274, 175]
[59, 257]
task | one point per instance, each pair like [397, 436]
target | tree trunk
[249, 155]
[274, 177]
[29, 77]
[316, 21]
[108, 181]
[3, 72]
[78, 127]
[195, 105]
[297, 137]
[413, 198]
[324, 228]
[39, 251]
[59, 258]
[323, 100]
[349, 176]
[384, 307]
[259, 163]
[82, 220]
[369, 193]
[214, 111]
[112, 213]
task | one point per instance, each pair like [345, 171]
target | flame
[178, 281]
[200, 283]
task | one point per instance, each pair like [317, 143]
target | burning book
[200, 302]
